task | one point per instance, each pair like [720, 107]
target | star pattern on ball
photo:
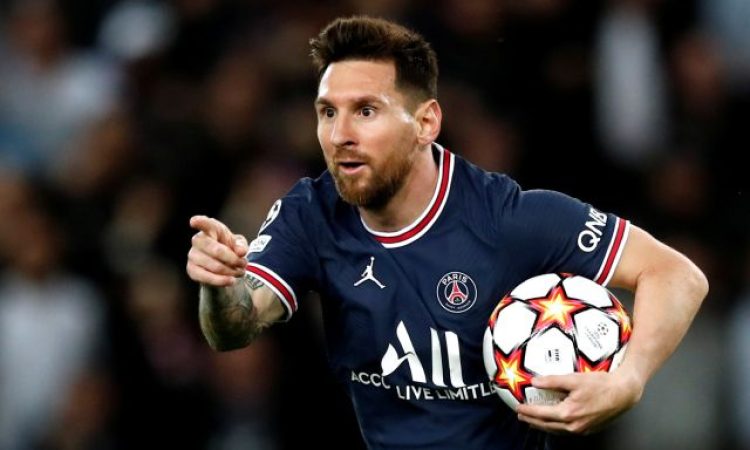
[556, 308]
[619, 313]
[585, 366]
[505, 301]
[511, 375]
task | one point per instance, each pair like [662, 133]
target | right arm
[235, 307]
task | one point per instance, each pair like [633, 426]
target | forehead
[358, 77]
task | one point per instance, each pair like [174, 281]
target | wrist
[632, 381]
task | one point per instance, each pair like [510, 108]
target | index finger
[213, 228]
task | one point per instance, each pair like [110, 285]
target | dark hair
[368, 38]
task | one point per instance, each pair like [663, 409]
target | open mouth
[350, 166]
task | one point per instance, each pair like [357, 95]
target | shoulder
[504, 197]
[496, 189]
[309, 190]
[310, 194]
[307, 205]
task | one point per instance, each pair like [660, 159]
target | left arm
[669, 289]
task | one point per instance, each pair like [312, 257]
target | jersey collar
[429, 216]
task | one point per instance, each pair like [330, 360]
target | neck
[410, 201]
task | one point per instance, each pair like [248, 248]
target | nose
[342, 132]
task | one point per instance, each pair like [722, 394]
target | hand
[593, 400]
[217, 256]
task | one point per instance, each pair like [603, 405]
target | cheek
[320, 131]
[324, 144]
[401, 135]
[393, 132]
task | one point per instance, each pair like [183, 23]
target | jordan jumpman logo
[368, 275]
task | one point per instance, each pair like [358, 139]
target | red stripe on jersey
[613, 251]
[444, 177]
[275, 282]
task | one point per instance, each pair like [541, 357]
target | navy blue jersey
[404, 312]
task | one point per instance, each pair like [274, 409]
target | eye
[326, 112]
[367, 111]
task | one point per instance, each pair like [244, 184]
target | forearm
[667, 299]
[227, 315]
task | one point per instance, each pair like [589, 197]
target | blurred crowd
[119, 119]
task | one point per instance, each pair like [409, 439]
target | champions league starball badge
[456, 292]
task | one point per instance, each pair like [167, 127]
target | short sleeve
[553, 232]
[282, 255]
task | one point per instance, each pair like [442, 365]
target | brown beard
[382, 186]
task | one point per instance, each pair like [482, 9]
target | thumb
[240, 246]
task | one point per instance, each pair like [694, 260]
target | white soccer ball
[552, 324]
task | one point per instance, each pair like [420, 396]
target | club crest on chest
[456, 292]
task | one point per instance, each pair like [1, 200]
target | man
[393, 217]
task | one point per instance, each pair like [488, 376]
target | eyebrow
[321, 101]
[363, 100]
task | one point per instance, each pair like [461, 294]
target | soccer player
[411, 247]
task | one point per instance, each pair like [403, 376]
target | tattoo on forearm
[253, 283]
[227, 316]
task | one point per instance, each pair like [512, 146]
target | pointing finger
[204, 224]
[213, 228]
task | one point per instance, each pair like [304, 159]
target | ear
[429, 117]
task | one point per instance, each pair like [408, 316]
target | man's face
[366, 131]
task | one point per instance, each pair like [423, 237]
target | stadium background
[121, 119]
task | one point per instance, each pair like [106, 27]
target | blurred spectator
[140, 215]
[155, 304]
[15, 195]
[132, 115]
[99, 158]
[161, 373]
[291, 134]
[390, 9]
[473, 132]
[235, 93]
[49, 91]
[244, 386]
[738, 360]
[51, 331]
[86, 185]
[85, 420]
[681, 407]
[708, 131]
[153, 20]
[631, 95]
[255, 189]
[727, 21]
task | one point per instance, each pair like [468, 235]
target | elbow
[700, 283]
[226, 340]
[227, 345]
[695, 280]
[223, 347]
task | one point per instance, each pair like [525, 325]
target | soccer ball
[552, 324]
